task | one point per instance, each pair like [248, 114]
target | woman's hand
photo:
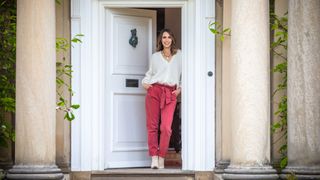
[177, 91]
[146, 86]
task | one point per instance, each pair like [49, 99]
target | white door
[126, 134]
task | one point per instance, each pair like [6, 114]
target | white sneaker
[161, 163]
[155, 162]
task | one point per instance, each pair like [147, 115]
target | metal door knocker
[133, 41]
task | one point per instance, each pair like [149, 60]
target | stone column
[35, 92]
[304, 89]
[250, 91]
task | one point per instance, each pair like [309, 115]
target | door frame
[198, 89]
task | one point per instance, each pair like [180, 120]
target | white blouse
[164, 72]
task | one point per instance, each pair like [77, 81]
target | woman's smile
[166, 40]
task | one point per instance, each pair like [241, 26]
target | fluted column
[250, 91]
[35, 92]
[304, 89]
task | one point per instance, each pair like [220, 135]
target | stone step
[143, 174]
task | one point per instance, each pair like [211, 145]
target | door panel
[126, 133]
[128, 59]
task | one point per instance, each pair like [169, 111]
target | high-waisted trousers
[160, 106]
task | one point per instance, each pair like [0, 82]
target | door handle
[210, 73]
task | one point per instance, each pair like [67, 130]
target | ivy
[217, 29]
[63, 78]
[8, 19]
[279, 48]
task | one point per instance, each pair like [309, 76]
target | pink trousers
[160, 103]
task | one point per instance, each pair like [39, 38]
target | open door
[130, 41]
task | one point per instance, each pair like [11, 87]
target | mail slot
[132, 83]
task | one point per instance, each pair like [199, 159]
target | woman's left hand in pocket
[176, 92]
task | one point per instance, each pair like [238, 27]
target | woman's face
[166, 40]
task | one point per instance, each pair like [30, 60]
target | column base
[265, 172]
[301, 172]
[35, 172]
[221, 166]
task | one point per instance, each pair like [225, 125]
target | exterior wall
[226, 104]
[218, 50]
[83, 175]
[63, 137]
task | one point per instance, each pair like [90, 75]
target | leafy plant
[291, 176]
[279, 48]
[63, 78]
[58, 2]
[217, 29]
[7, 69]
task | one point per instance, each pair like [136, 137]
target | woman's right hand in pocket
[146, 86]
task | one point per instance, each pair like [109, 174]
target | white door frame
[198, 90]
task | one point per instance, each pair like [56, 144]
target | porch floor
[137, 171]
[143, 174]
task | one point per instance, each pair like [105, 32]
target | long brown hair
[173, 48]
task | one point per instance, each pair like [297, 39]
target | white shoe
[155, 162]
[161, 163]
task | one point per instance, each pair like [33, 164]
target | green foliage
[63, 78]
[292, 176]
[7, 68]
[58, 2]
[218, 30]
[280, 26]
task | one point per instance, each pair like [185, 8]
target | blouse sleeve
[147, 78]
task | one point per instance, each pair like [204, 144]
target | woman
[162, 81]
